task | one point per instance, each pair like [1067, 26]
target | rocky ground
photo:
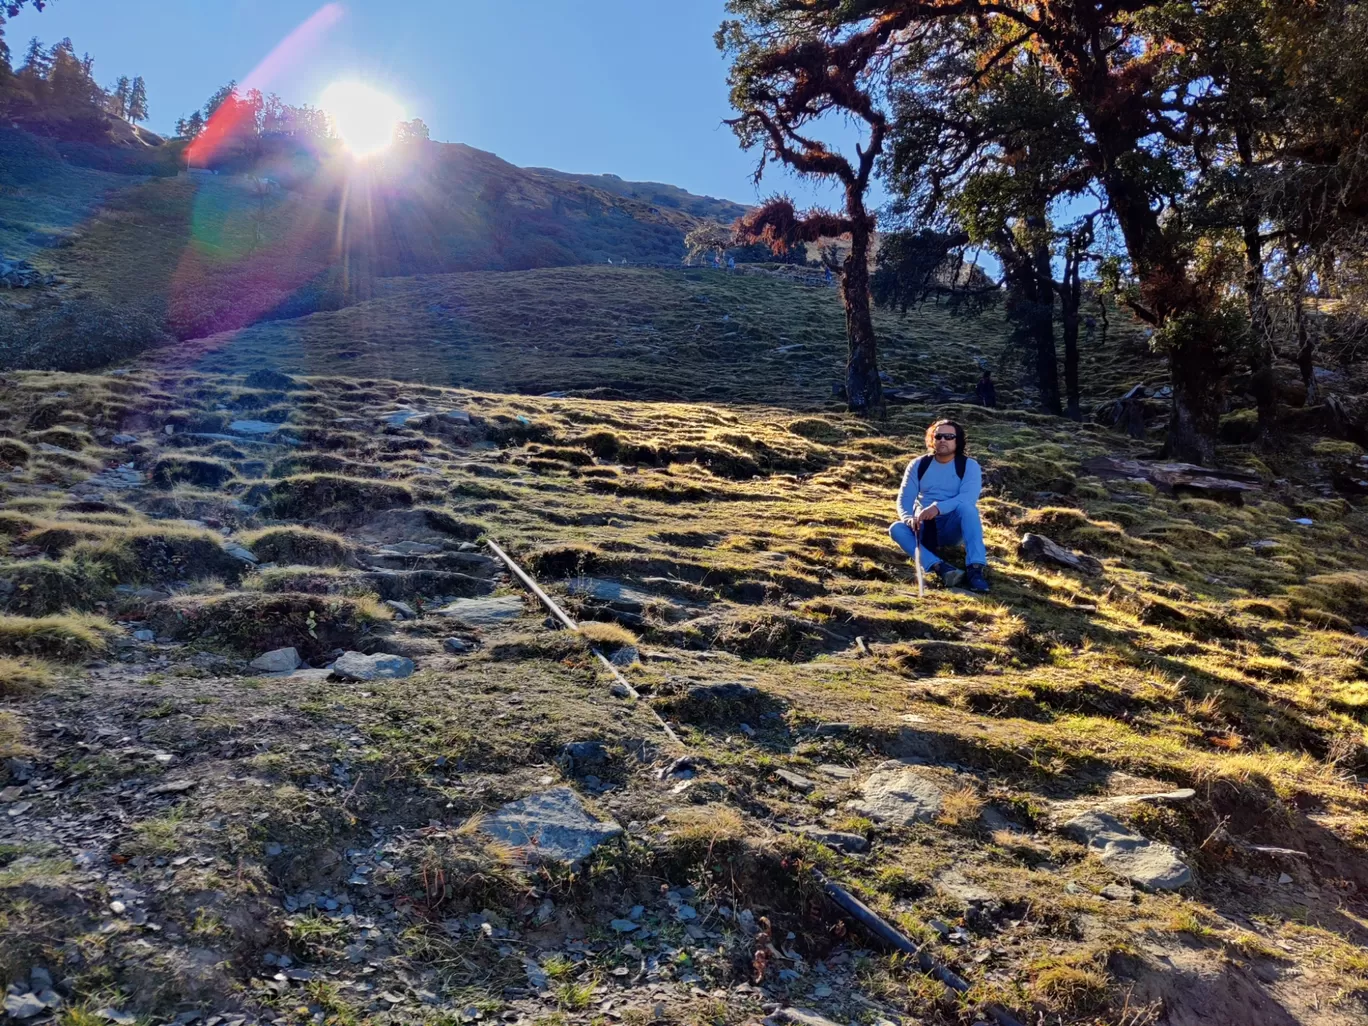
[285, 742]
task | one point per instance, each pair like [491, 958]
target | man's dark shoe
[950, 577]
[976, 575]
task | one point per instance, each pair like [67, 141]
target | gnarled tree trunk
[1070, 296]
[1042, 328]
[864, 390]
[1262, 353]
[1195, 417]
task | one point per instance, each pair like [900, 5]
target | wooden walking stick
[916, 557]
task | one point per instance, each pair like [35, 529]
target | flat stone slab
[1149, 864]
[901, 793]
[550, 824]
[956, 885]
[484, 612]
[796, 780]
[836, 772]
[309, 675]
[404, 418]
[838, 839]
[253, 427]
[408, 548]
[613, 593]
[355, 666]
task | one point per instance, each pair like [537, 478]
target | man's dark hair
[960, 441]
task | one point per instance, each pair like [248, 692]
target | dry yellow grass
[23, 676]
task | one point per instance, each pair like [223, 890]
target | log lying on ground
[1178, 478]
[1039, 549]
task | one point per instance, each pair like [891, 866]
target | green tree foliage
[137, 101]
[118, 97]
[54, 93]
[415, 131]
[1152, 98]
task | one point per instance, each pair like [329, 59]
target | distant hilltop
[657, 194]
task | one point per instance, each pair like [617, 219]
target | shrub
[299, 546]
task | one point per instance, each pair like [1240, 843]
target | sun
[363, 116]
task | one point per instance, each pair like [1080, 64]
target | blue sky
[632, 87]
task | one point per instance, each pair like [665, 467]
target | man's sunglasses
[946, 438]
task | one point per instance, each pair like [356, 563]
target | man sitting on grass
[938, 506]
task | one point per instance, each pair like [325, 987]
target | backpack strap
[961, 461]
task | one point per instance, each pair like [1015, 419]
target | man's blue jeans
[962, 524]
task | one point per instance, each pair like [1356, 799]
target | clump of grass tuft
[1072, 983]
[68, 636]
[607, 635]
[252, 623]
[1341, 597]
[960, 807]
[45, 586]
[22, 676]
[307, 496]
[699, 833]
[156, 554]
[170, 471]
[14, 453]
[299, 546]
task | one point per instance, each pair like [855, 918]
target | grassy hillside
[219, 252]
[43, 198]
[1215, 647]
[695, 334]
[657, 194]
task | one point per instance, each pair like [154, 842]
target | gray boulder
[550, 825]
[1149, 864]
[355, 666]
[901, 793]
[282, 660]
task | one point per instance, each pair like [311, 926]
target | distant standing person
[731, 263]
[828, 275]
[938, 506]
[987, 391]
